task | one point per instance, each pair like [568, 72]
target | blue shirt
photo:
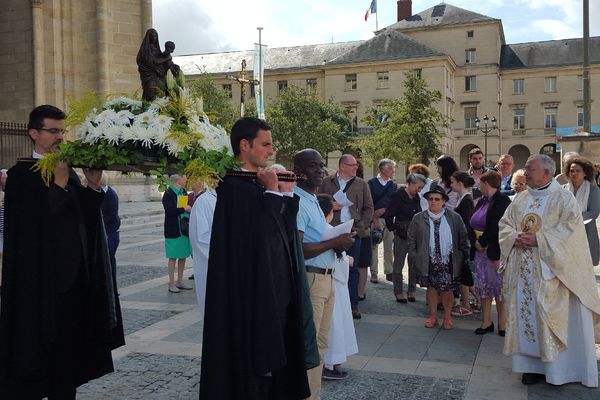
[311, 221]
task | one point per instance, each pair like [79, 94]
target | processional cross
[241, 78]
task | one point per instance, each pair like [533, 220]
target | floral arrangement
[170, 134]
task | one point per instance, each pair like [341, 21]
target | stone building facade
[533, 89]
[57, 48]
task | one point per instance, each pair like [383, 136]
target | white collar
[36, 155]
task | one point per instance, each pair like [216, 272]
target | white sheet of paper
[587, 221]
[342, 199]
[336, 231]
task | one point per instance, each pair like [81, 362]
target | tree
[406, 129]
[217, 104]
[301, 120]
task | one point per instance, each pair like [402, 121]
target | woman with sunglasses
[438, 244]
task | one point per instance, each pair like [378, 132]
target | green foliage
[80, 108]
[216, 101]
[301, 120]
[410, 130]
[83, 155]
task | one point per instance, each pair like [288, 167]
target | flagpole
[376, 17]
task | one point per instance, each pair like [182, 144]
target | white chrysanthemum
[129, 133]
[173, 146]
[113, 134]
[124, 101]
[146, 118]
[106, 117]
[124, 117]
[158, 103]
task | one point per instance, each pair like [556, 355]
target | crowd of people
[281, 264]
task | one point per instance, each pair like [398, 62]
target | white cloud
[556, 29]
[198, 26]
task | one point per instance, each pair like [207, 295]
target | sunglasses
[434, 199]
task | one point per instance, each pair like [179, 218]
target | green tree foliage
[405, 129]
[217, 104]
[301, 120]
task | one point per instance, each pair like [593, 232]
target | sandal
[461, 311]
[431, 322]
[447, 325]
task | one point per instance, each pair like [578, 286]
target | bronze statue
[153, 65]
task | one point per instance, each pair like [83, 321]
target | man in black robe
[60, 316]
[256, 310]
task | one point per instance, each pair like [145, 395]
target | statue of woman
[149, 60]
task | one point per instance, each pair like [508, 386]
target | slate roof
[548, 53]
[387, 45]
[442, 14]
[277, 59]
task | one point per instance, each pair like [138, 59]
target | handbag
[402, 229]
[466, 276]
[184, 226]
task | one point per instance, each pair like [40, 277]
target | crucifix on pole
[241, 78]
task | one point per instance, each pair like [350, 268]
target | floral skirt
[488, 282]
[439, 278]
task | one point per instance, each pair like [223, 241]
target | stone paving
[398, 358]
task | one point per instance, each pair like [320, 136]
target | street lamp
[485, 131]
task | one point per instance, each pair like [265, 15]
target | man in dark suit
[60, 316]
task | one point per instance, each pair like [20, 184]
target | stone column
[102, 47]
[39, 91]
[146, 16]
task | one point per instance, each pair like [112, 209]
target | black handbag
[466, 276]
[184, 226]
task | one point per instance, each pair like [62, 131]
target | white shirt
[345, 211]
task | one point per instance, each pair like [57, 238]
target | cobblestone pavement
[398, 358]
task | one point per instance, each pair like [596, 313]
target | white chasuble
[551, 296]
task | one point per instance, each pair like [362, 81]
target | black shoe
[483, 331]
[404, 301]
[532, 379]
[334, 374]
[388, 277]
[411, 299]
[501, 332]
[191, 277]
[362, 298]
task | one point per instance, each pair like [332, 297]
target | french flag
[371, 10]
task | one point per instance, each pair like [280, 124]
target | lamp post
[485, 131]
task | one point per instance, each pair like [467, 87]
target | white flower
[124, 117]
[124, 101]
[113, 134]
[106, 117]
[145, 118]
[159, 103]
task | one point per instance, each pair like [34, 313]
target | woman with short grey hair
[404, 204]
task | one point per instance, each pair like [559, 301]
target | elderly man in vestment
[552, 299]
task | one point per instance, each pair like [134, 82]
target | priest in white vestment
[201, 220]
[551, 294]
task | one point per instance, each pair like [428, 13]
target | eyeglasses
[434, 199]
[351, 165]
[54, 131]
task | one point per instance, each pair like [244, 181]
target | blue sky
[202, 26]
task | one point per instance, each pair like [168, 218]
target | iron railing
[14, 143]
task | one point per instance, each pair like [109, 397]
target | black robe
[255, 313]
[60, 315]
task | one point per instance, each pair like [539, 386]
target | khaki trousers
[322, 296]
[388, 252]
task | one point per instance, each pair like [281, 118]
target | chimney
[404, 9]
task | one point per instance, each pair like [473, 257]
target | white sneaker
[183, 286]
[173, 289]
